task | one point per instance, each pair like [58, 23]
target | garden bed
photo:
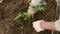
[10, 8]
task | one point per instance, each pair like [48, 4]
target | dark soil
[10, 8]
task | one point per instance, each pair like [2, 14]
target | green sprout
[25, 15]
[39, 8]
[18, 16]
[30, 5]
[1, 1]
[36, 8]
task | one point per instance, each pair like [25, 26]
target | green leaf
[36, 9]
[25, 18]
[18, 16]
[25, 14]
[1, 1]
[41, 8]
[30, 6]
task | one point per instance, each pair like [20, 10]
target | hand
[31, 12]
[37, 26]
[42, 25]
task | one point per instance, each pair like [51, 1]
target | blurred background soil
[10, 8]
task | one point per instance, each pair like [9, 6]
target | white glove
[36, 26]
[31, 11]
[58, 2]
[38, 2]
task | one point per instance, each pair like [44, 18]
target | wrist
[43, 25]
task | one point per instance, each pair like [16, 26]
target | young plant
[37, 8]
[1, 1]
[24, 15]
[32, 10]
[40, 8]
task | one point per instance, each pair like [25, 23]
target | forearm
[43, 25]
[48, 25]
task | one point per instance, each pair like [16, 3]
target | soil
[10, 8]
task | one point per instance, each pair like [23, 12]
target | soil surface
[10, 8]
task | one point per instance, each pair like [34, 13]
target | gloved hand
[35, 3]
[31, 11]
[37, 26]
[38, 2]
[58, 2]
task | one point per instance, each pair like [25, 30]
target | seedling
[1, 1]
[36, 9]
[24, 15]
[40, 8]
